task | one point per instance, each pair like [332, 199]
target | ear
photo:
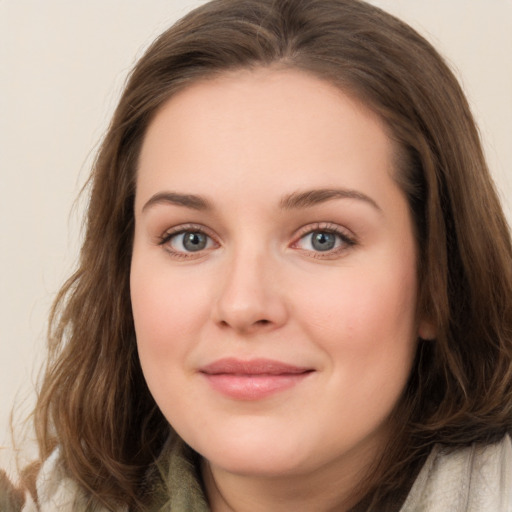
[427, 330]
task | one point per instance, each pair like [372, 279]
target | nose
[250, 298]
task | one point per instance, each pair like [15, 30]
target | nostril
[245, 326]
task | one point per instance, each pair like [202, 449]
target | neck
[336, 487]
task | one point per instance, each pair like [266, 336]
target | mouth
[254, 379]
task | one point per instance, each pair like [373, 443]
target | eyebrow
[311, 198]
[191, 201]
[295, 200]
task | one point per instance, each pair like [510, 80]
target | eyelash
[166, 238]
[346, 239]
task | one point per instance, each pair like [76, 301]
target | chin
[254, 455]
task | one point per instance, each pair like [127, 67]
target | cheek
[357, 316]
[167, 317]
[364, 323]
[166, 309]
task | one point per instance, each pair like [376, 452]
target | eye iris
[323, 241]
[194, 241]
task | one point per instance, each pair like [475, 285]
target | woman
[295, 286]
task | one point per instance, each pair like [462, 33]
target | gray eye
[188, 241]
[194, 241]
[323, 240]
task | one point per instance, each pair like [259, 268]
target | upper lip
[234, 366]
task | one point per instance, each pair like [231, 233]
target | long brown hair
[94, 402]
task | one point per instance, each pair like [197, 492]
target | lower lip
[253, 387]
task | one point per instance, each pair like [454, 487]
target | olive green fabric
[178, 484]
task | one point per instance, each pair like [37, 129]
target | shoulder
[470, 479]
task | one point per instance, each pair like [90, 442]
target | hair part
[94, 401]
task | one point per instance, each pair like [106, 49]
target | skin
[248, 143]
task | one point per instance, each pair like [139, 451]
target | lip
[253, 379]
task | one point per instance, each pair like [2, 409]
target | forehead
[264, 127]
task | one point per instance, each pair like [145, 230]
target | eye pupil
[323, 241]
[193, 241]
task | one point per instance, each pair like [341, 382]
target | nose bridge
[249, 294]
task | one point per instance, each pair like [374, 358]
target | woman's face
[273, 279]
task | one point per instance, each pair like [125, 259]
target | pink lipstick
[254, 379]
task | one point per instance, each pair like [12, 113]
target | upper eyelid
[324, 226]
[183, 228]
[188, 226]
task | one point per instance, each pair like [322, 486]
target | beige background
[62, 66]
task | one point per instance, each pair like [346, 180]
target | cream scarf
[473, 479]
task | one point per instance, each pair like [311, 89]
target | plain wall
[62, 66]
